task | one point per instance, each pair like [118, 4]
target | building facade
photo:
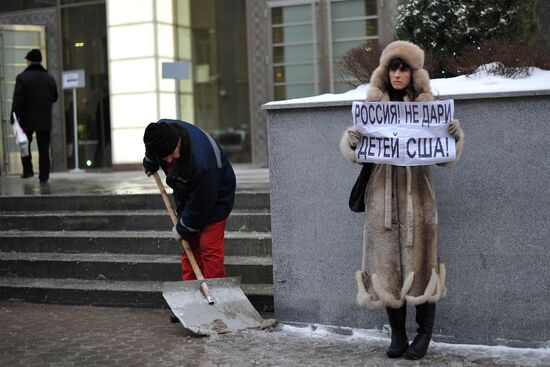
[237, 55]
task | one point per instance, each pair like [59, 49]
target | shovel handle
[184, 243]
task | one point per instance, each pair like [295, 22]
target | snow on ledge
[478, 85]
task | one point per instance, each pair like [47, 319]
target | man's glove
[150, 166]
[176, 234]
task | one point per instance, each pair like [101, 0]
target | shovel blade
[231, 310]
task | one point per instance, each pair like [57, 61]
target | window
[309, 37]
[352, 23]
[294, 50]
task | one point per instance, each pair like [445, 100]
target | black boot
[399, 340]
[425, 315]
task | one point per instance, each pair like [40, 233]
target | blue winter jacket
[207, 193]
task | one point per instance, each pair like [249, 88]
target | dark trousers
[43, 141]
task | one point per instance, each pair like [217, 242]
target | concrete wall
[494, 210]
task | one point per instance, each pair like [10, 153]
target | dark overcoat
[35, 92]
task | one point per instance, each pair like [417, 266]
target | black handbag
[357, 195]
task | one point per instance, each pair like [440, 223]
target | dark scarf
[397, 95]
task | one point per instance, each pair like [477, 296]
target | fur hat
[161, 139]
[414, 57]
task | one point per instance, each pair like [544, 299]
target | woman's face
[400, 79]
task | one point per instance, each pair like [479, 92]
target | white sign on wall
[404, 133]
[74, 79]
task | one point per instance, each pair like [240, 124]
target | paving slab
[58, 335]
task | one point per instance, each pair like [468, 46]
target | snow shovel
[203, 311]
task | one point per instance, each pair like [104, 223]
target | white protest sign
[404, 133]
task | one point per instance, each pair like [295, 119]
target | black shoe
[173, 318]
[27, 175]
[43, 182]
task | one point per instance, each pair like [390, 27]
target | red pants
[207, 247]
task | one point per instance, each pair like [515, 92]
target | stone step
[125, 242]
[128, 267]
[109, 220]
[243, 200]
[108, 293]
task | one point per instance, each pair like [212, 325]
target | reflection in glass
[278, 35]
[372, 27]
[220, 75]
[17, 5]
[371, 7]
[85, 47]
[279, 74]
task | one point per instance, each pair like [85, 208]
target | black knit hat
[161, 139]
[34, 55]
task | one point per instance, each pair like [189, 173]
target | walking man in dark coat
[35, 92]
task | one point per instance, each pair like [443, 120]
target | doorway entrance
[15, 42]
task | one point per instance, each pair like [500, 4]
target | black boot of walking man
[425, 315]
[399, 340]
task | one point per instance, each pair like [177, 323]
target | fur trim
[379, 81]
[421, 84]
[458, 147]
[443, 280]
[388, 298]
[430, 289]
[408, 51]
[436, 289]
[347, 150]
[385, 299]
[363, 298]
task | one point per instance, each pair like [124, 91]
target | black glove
[150, 166]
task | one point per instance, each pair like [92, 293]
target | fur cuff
[347, 150]
[459, 144]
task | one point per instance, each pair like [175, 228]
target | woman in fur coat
[400, 263]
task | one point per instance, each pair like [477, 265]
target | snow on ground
[377, 336]
[477, 83]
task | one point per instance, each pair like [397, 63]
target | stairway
[117, 250]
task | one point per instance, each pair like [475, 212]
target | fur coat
[400, 262]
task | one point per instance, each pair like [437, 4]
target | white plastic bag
[20, 137]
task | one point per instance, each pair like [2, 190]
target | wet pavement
[113, 183]
[61, 335]
[58, 335]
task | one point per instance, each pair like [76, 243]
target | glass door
[15, 42]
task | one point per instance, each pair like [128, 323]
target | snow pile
[478, 83]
